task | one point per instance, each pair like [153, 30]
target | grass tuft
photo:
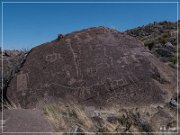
[66, 116]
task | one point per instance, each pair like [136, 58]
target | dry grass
[64, 117]
[10, 106]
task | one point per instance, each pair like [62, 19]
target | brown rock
[97, 66]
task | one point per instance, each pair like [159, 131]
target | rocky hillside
[160, 38]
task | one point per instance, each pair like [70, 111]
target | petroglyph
[116, 87]
[77, 38]
[65, 86]
[125, 60]
[68, 41]
[40, 86]
[22, 81]
[76, 57]
[133, 80]
[67, 67]
[96, 48]
[53, 57]
[98, 64]
[105, 61]
[122, 81]
[74, 60]
[136, 50]
[71, 81]
[120, 92]
[119, 61]
[119, 48]
[88, 38]
[110, 59]
[66, 71]
[68, 74]
[109, 40]
[118, 83]
[84, 92]
[111, 99]
[91, 71]
[134, 58]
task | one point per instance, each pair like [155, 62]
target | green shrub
[149, 45]
[162, 40]
[174, 60]
[165, 35]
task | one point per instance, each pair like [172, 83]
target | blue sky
[28, 25]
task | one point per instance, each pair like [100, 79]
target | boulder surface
[98, 66]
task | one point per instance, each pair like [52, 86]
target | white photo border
[78, 2]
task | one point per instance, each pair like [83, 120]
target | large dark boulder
[97, 66]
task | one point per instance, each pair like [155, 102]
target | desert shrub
[174, 59]
[149, 45]
[64, 116]
[162, 40]
[165, 35]
[148, 29]
[140, 123]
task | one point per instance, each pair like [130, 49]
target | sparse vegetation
[65, 116]
[149, 45]
[10, 106]
[155, 36]
[174, 59]
[162, 40]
